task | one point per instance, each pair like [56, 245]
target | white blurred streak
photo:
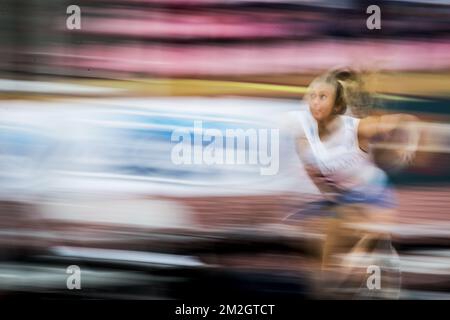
[125, 213]
[52, 87]
[407, 230]
[418, 264]
[128, 255]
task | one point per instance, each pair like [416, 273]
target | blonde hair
[351, 92]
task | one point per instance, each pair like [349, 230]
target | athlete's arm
[382, 126]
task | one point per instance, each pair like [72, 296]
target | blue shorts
[381, 197]
[378, 194]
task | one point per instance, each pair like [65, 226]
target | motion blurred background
[86, 176]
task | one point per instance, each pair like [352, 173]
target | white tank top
[339, 158]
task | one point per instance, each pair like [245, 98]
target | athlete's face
[321, 98]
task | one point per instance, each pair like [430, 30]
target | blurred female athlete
[336, 150]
